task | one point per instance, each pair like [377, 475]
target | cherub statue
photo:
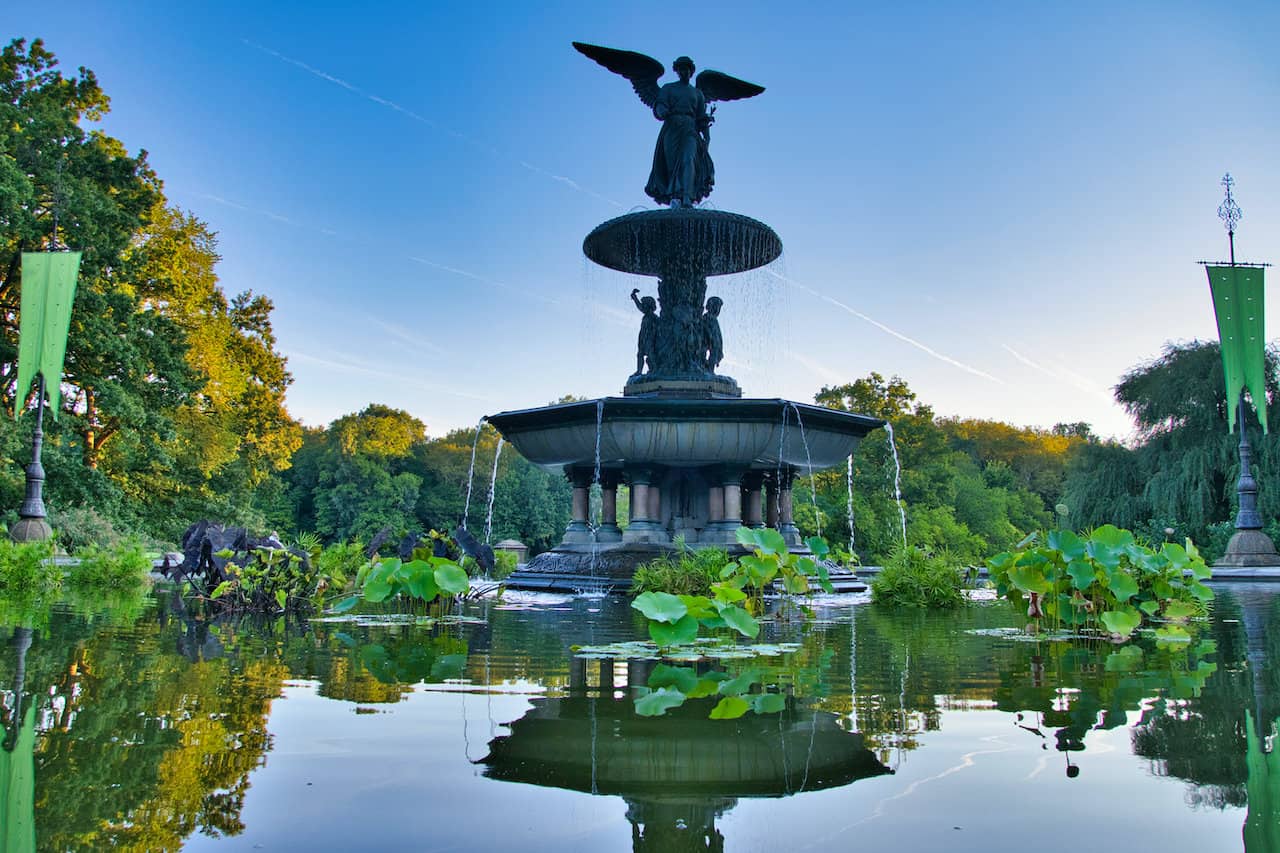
[712, 341]
[647, 343]
[682, 173]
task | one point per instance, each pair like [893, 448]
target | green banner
[48, 290]
[1237, 300]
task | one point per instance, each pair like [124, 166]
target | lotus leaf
[1121, 623]
[661, 607]
[730, 708]
[681, 632]
[1082, 573]
[741, 684]
[658, 702]
[768, 703]
[740, 620]
[451, 579]
[1122, 586]
[682, 678]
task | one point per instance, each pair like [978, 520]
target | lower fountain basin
[712, 242]
[685, 433]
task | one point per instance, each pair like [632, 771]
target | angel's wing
[718, 86]
[643, 71]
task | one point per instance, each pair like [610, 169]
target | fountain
[700, 459]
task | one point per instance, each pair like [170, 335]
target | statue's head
[685, 63]
[648, 305]
[713, 306]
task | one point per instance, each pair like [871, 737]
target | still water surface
[160, 729]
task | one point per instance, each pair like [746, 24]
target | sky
[1003, 204]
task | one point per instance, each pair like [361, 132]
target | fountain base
[574, 568]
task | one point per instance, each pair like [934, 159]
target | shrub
[80, 527]
[684, 572]
[504, 563]
[27, 568]
[120, 567]
[912, 577]
[337, 563]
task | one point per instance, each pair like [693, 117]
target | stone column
[786, 523]
[726, 505]
[579, 530]
[771, 502]
[643, 527]
[752, 500]
[715, 504]
[655, 504]
[609, 530]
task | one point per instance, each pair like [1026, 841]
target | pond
[156, 728]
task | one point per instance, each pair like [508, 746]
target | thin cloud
[821, 370]
[440, 128]
[350, 364]
[1059, 372]
[882, 327]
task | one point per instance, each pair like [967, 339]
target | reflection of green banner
[1237, 300]
[1262, 826]
[18, 790]
[48, 289]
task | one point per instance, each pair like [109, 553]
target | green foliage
[685, 572]
[1181, 472]
[970, 487]
[419, 583]
[737, 598]
[504, 563]
[27, 568]
[912, 577]
[339, 562]
[76, 528]
[124, 566]
[1106, 578]
[271, 580]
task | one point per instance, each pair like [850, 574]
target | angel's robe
[682, 168]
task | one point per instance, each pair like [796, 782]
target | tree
[1182, 471]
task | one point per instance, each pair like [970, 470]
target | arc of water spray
[897, 481]
[813, 489]
[471, 473]
[848, 477]
[595, 478]
[493, 490]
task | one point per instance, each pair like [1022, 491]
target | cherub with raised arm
[646, 344]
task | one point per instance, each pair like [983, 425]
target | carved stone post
[786, 523]
[752, 501]
[643, 527]
[727, 493]
[579, 530]
[609, 530]
[771, 502]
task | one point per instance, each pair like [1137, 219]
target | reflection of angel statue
[683, 173]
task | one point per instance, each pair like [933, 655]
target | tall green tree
[1181, 471]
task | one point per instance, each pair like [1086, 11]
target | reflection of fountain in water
[471, 473]
[493, 488]
[813, 488]
[897, 481]
[595, 482]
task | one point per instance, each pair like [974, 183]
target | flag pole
[1249, 545]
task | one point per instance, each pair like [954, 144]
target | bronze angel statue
[683, 173]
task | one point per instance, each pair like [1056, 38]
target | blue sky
[1003, 204]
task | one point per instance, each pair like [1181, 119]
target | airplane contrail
[434, 125]
[1060, 373]
[895, 333]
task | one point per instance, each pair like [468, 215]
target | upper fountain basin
[685, 433]
[707, 242]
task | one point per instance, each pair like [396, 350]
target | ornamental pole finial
[1229, 213]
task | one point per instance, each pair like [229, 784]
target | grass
[684, 572]
[912, 577]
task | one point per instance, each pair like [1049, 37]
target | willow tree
[1181, 470]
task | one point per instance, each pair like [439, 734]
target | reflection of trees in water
[137, 745]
